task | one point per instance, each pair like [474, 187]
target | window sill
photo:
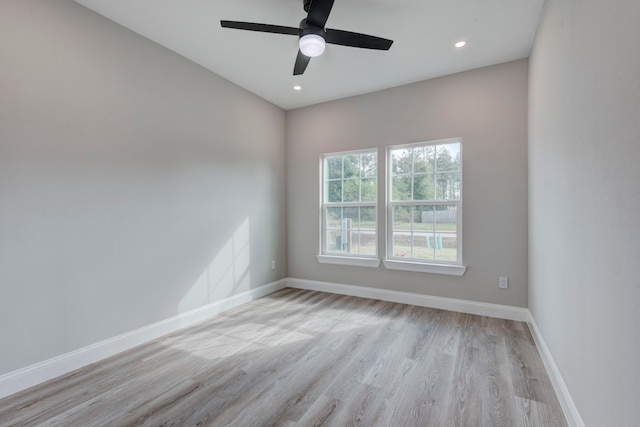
[451, 270]
[356, 262]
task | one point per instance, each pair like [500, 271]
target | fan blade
[319, 12]
[263, 28]
[347, 38]
[301, 64]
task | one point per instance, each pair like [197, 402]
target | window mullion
[433, 234]
[342, 179]
[350, 205]
[424, 203]
[412, 212]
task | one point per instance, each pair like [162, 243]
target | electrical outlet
[273, 264]
[503, 283]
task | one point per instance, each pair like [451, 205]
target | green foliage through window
[426, 172]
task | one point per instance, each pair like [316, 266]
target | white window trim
[346, 260]
[438, 267]
[326, 257]
[421, 267]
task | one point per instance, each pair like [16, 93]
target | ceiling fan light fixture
[311, 45]
[312, 36]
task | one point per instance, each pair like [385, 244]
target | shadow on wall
[227, 273]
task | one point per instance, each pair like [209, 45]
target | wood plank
[425, 395]
[535, 414]
[499, 401]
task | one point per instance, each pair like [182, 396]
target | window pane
[334, 191]
[448, 186]
[333, 218]
[369, 166]
[447, 247]
[448, 157]
[423, 218]
[416, 216]
[423, 246]
[334, 241]
[368, 218]
[354, 243]
[402, 244]
[334, 167]
[401, 187]
[425, 232]
[352, 166]
[400, 161]
[369, 188]
[351, 219]
[424, 159]
[368, 242]
[367, 235]
[349, 227]
[423, 187]
[446, 218]
[446, 226]
[401, 218]
[351, 190]
[344, 240]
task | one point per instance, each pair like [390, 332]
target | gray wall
[488, 109]
[584, 176]
[134, 185]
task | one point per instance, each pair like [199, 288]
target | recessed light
[461, 44]
[297, 87]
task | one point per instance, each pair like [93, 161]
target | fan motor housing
[309, 29]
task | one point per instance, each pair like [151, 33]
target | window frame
[328, 257]
[392, 262]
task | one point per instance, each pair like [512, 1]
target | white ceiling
[424, 32]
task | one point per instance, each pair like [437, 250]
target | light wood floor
[308, 359]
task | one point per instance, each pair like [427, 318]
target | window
[424, 199]
[349, 223]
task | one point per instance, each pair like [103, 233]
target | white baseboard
[471, 307]
[30, 376]
[566, 402]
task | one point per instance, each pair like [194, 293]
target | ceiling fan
[312, 34]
